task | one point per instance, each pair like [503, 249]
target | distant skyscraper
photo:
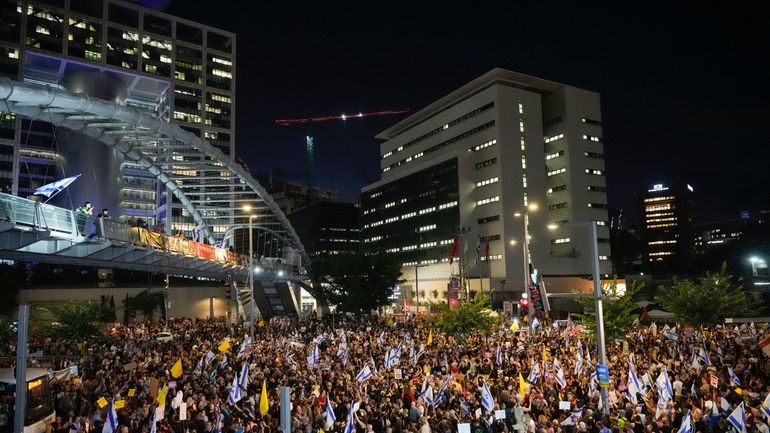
[115, 50]
[472, 160]
[667, 227]
[327, 227]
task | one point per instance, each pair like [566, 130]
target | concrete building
[115, 50]
[462, 167]
[667, 227]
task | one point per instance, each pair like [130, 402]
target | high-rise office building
[667, 227]
[328, 227]
[463, 167]
[111, 49]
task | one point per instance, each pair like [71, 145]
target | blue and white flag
[535, 323]
[289, 357]
[733, 377]
[686, 426]
[738, 418]
[219, 423]
[720, 355]
[199, 368]
[766, 406]
[664, 386]
[592, 383]
[312, 358]
[559, 377]
[243, 378]
[646, 381]
[350, 426]
[210, 357]
[671, 334]
[223, 364]
[442, 390]
[634, 385]
[245, 347]
[427, 392]
[579, 363]
[498, 356]
[153, 424]
[330, 417]
[486, 397]
[574, 418]
[55, 187]
[693, 392]
[534, 373]
[381, 339]
[703, 357]
[235, 394]
[364, 374]
[111, 423]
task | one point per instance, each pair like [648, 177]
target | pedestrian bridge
[218, 194]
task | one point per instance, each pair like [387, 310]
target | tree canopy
[619, 312]
[707, 301]
[75, 320]
[356, 282]
[474, 315]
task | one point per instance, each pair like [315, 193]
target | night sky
[685, 91]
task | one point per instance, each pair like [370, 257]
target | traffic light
[524, 305]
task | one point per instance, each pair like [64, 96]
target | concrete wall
[185, 301]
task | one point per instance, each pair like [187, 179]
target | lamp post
[247, 208]
[525, 250]
[597, 301]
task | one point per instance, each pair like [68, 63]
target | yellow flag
[224, 346]
[176, 370]
[119, 404]
[261, 323]
[738, 391]
[320, 430]
[430, 337]
[545, 355]
[522, 387]
[162, 395]
[132, 392]
[101, 402]
[263, 406]
[515, 325]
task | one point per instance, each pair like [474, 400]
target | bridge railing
[37, 215]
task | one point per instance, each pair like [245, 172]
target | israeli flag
[686, 426]
[559, 377]
[592, 383]
[364, 374]
[646, 381]
[534, 373]
[199, 368]
[245, 347]
[427, 392]
[733, 377]
[243, 378]
[350, 426]
[111, 425]
[381, 339]
[634, 386]
[579, 364]
[442, 390]
[574, 418]
[330, 417]
[703, 357]
[153, 424]
[218, 425]
[390, 358]
[235, 392]
[664, 386]
[289, 357]
[498, 356]
[210, 357]
[535, 323]
[486, 397]
[766, 406]
[738, 418]
[55, 187]
[312, 358]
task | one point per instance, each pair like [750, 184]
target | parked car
[163, 337]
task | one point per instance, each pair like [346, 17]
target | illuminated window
[485, 182]
[594, 172]
[591, 138]
[486, 163]
[557, 206]
[524, 180]
[557, 189]
[391, 204]
[560, 241]
[557, 171]
[554, 138]
[593, 155]
[596, 188]
[521, 108]
[426, 210]
[598, 205]
[554, 155]
[489, 219]
[426, 228]
[447, 205]
[483, 145]
[657, 207]
[488, 200]
[492, 257]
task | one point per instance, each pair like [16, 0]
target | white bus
[39, 413]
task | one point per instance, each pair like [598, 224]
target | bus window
[39, 404]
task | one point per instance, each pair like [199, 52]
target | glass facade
[415, 217]
[85, 39]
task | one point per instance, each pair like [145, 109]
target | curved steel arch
[137, 135]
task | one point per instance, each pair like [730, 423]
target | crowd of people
[396, 375]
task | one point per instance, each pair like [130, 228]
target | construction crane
[318, 119]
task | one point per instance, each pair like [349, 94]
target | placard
[73, 370]
[101, 402]
[478, 413]
[120, 404]
[397, 374]
[565, 405]
[182, 411]
[160, 413]
[464, 428]
[500, 414]
[132, 392]
[154, 384]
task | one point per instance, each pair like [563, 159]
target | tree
[474, 315]
[145, 302]
[73, 320]
[619, 312]
[705, 302]
[356, 282]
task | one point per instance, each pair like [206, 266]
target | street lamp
[247, 208]
[597, 300]
[525, 245]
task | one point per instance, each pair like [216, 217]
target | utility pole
[21, 368]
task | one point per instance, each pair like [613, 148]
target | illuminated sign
[690, 188]
[658, 187]
[34, 384]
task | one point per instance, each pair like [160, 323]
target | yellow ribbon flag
[515, 326]
[176, 370]
[261, 323]
[120, 404]
[132, 392]
[545, 355]
[101, 402]
[162, 395]
[522, 387]
[224, 346]
[320, 430]
[263, 405]
[430, 337]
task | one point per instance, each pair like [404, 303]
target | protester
[400, 375]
